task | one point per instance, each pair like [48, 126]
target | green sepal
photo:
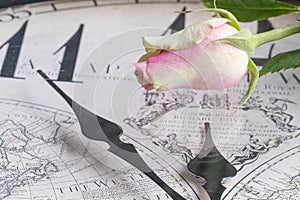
[223, 13]
[254, 74]
[146, 56]
[243, 39]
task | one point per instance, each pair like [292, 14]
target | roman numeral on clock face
[13, 49]
[70, 50]
[14, 45]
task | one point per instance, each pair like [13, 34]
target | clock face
[88, 48]
[61, 38]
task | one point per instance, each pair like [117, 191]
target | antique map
[43, 154]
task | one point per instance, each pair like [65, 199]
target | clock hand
[100, 129]
[212, 166]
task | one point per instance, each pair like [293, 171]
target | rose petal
[142, 76]
[185, 38]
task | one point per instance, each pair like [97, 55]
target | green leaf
[251, 10]
[254, 74]
[282, 61]
[243, 40]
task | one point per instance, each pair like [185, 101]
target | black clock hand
[100, 129]
[212, 166]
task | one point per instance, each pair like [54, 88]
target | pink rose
[194, 57]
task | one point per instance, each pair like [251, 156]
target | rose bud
[194, 57]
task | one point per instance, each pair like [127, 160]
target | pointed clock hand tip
[56, 88]
[42, 74]
[39, 71]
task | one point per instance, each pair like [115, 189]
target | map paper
[43, 155]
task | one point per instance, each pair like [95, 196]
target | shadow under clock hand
[212, 166]
[97, 128]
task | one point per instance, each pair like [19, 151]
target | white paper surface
[44, 156]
